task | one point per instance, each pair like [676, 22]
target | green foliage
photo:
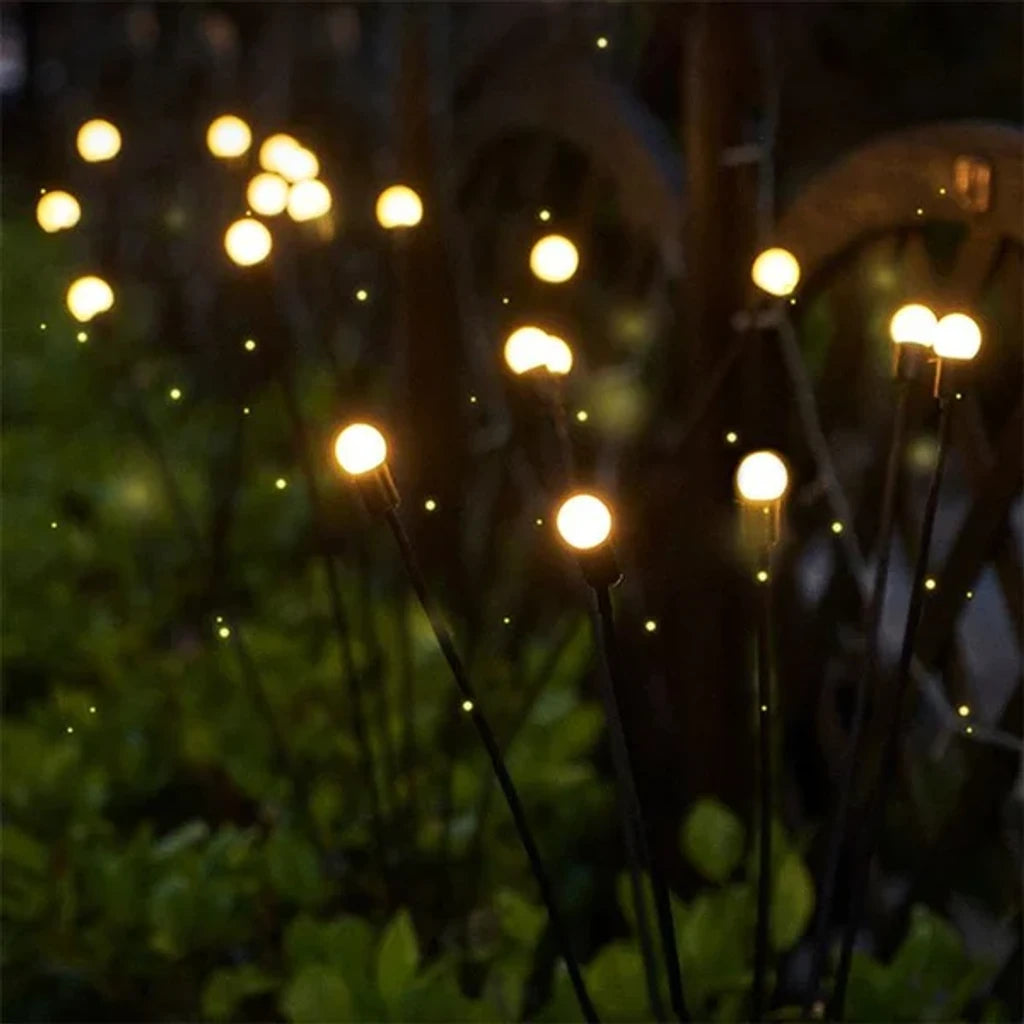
[712, 839]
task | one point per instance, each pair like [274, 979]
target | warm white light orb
[554, 259]
[761, 477]
[957, 336]
[399, 207]
[308, 200]
[275, 150]
[98, 140]
[89, 296]
[913, 324]
[297, 164]
[57, 210]
[559, 356]
[247, 242]
[267, 194]
[584, 521]
[526, 349]
[776, 271]
[228, 136]
[360, 448]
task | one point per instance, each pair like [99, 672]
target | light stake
[912, 330]
[762, 481]
[584, 522]
[361, 451]
[957, 341]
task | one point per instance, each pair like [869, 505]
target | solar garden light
[762, 481]
[361, 451]
[585, 525]
[957, 340]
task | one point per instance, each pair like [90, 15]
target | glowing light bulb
[399, 207]
[651, 626]
[280, 483]
[275, 150]
[250, 345]
[762, 576]
[837, 527]
[559, 356]
[57, 211]
[297, 164]
[584, 521]
[526, 348]
[247, 242]
[776, 271]
[761, 478]
[602, 42]
[963, 711]
[430, 504]
[544, 215]
[175, 394]
[362, 295]
[224, 632]
[913, 324]
[554, 259]
[89, 296]
[731, 437]
[467, 705]
[228, 136]
[360, 448]
[930, 584]
[308, 200]
[582, 416]
[267, 194]
[98, 140]
[957, 336]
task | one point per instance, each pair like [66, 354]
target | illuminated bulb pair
[228, 136]
[399, 206]
[530, 348]
[88, 297]
[248, 242]
[284, 155]
[776, 271]
[98, 140]
[57, 211]
[956, 336]
[554, 258]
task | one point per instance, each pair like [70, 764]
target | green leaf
[792, 902]
[317, 995]
[294, 867]
[172, 914]
[615, 980]
[226, 988]
[435, 996]
[397, 959]
[712, 839]
[182, 838]
[519, 919]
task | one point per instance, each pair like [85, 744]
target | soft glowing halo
[584, 522]
[360, 448]
[98, 140]
[274, 151]
[308, 200]
[957, 336]
[89, 296]
[297, 164]
[913, 324]
[57, 210]
[554, 259]
[761, 478]
[399, 206]
[228, 136]
[776, 271]
[559, 356]
[267, 194]
[248, 242]
[526, 349]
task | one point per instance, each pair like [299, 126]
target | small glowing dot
[582, 416]
[544, 215]
[175, 394]
[959, 396]
[970, 594]
[42, 327]
[731, 437]
[71, 728]
[919, 211]
[539, 521]
[362, 295]
[507, 621]
[762, 576]
[245, 410]
[602, 42]
[467, 705]
[504, 300]
[764, 709]
[930, 584]
[837, 527]
[792, 302]
[472, 399]
[280, 483]
[53, 525]
[42, 191]
[223, 632]
[250, 345]
[969, 730]
[81, 336]
[92, 709]
[963, 711]
[942, 191]
[430, 504]
[219, 619]
[651, 626]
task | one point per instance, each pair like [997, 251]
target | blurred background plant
[237, 783]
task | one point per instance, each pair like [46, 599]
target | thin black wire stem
[451, 655]
[766, 779]
[633, 826]
[891, 749]
[865, 684]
